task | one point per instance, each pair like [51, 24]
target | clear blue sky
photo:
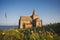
[47, 10]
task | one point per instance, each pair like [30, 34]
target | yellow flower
[51, 36]
[3, 33]
[16, 30]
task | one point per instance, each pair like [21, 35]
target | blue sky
[47, 10]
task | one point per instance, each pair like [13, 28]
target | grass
[49, 32]
[27, 34]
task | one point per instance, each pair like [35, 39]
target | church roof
[28, 18]
[34, 12]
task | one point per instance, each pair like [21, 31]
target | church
[30, 21]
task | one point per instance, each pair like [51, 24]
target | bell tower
[34, 16]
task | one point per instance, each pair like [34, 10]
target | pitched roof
[27, 18]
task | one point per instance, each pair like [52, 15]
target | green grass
[48, 32]
[27, 34]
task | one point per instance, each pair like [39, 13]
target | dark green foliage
[53, 27]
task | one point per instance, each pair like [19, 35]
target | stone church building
[30, 21]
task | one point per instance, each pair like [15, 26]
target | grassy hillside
[48, 32]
